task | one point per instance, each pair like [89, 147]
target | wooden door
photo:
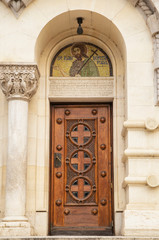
[81, 165]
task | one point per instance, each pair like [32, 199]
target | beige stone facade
[31, 33]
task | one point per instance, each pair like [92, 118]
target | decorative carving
[145, 5]
[19, 81]
[82, 129]
[76, 192]
[145, 8]
[80, 160]
[151, 124]
[17, 6]
[152, 181]
[152, 20]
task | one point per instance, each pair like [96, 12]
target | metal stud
[66, 211]
[103, 202]
[67, 112]
[103, 146]
[103, 173]
[58, 202]
[94, 211]
[58, 174]
[102, 119]
[59, 120]
[59, 147]
[94, 111]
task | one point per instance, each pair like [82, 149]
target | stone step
[77, 238]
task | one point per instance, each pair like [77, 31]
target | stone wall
[35, 35]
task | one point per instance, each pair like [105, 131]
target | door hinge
[111, 149]
[112, 224]
[111, 185]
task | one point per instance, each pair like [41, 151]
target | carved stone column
[18, 83]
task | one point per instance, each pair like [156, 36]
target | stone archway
[62, 90]
[124, 42]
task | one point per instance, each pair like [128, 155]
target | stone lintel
[19, 80]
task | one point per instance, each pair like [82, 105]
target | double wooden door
[81, 170]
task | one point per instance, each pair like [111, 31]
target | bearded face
[77, 53]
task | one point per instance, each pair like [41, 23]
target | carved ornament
[152, 20]
[19, 81]
[17, 6]
[151, 124]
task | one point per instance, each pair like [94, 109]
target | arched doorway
[89, 90]
[81, 189]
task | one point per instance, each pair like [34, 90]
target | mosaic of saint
[81, 59]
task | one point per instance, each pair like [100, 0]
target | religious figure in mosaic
[83, 66]
[81, 59]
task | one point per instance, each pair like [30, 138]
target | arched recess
[100, 31]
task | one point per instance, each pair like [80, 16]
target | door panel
[81, 194]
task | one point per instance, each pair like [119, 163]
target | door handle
[57, 160]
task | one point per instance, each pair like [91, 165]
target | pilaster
[19, 83]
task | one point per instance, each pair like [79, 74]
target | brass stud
[94, 211]
[58, 174]
[66, 211]
[102, 119]
[67, 112]
[58, 202]
[103, 202]
[103, 174]
[59, 120]
[59, 147]
[103, 146]
[94, 111]
[67, 188]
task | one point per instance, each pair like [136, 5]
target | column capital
[19, 81]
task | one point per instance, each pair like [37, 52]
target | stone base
[14, 229]
[140, 223]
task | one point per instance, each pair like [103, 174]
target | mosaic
[81, 59]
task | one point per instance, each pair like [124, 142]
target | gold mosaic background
[63, 61]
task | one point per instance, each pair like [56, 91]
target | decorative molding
[17, 6]
[19, 81]
[133, 180]
[152, 181]
[140, 153]
[145, 8]
[152, 20]
[150, 124]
